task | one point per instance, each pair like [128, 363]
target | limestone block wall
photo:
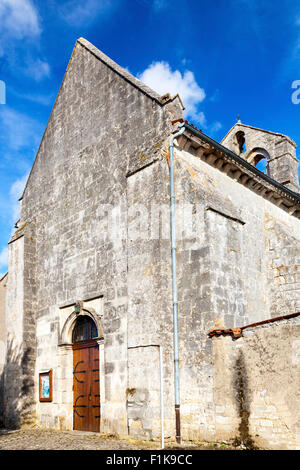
[252, 254]
[283, 166]
[149, 301]
[226, 278]
[101, 152]
[19, 385]
[143, 394]
[256, 386]
[29, 342]
[283, 264]
[227, 258]
[102, 129]
[54, 351]
[3, 283]
[14, 347]
[57, 414]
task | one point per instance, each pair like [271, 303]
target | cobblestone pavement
[38, 439]
[41, 439]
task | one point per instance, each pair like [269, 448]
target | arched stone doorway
[70, 337]
[86, 377]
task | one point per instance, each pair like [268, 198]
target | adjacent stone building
[3, 282]
[89, 291]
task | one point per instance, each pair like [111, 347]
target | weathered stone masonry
[106, 146]
[257, 385]
[3, 284]
[104, 126]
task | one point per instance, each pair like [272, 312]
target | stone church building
[88, 316]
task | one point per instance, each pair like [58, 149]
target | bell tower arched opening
[86, 375]
[240, 142]
[260, 158]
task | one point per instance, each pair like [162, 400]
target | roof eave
[291, 198]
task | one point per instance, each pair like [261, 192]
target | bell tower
[278, 150]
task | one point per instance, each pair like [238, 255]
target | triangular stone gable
[80, 113]
[241, 125]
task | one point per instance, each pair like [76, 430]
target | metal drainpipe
[174, 284]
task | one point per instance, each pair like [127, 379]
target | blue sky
[225, 57]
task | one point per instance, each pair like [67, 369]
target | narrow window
[240, 142]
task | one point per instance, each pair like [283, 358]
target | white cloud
[19, 19]
[78, 12]
[162, 79]
[20, 26]
[37, 69]
[3, 261]
[215, 127]
[44, 99]
[18, 131]
[159, 4]
[289, 69]
[156, 5]
[215, 97]
[15, 193]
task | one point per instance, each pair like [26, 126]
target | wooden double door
[86, 387]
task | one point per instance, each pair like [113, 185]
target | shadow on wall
[16, 388]
[1, 399]
[243, 403]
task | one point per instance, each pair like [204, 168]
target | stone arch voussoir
[66, 333]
